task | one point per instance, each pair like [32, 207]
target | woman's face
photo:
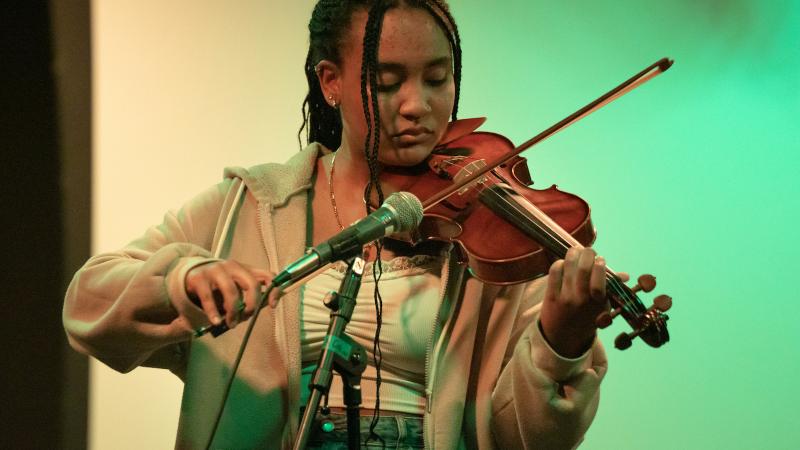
[416, 89]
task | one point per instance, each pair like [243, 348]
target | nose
[415, 101]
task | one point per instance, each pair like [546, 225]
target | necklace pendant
[366, 253]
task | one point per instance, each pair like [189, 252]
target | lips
[412, 136]
[415, 131]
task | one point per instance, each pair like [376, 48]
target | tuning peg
[645, 283]
[605, 318]
[662, 303]
[653, 315]
[623, 341]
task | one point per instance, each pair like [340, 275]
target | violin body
[497, 252]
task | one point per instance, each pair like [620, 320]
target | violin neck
[528, 218]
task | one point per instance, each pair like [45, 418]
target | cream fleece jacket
[492, 381]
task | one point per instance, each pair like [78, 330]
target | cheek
[388, 105]
[442, 104]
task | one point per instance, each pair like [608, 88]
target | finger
[623, 276]
[202, 289]
[583, 274]
[259, 274]
[554, 279]
[230, 295]
[264, 278]
[262, 275]
[597, 282]
[251, 288]
[570, 272]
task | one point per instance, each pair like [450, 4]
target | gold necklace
[330, 191]
[366, 252]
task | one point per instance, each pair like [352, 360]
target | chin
[406, 157]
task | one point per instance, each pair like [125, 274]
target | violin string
[623, 292]
[559, 243]
[629, 301]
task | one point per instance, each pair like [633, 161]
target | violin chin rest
[460, 128]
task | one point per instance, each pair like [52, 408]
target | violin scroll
[650, 324]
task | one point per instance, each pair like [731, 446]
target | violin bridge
[466, 170]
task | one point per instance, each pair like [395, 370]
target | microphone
[401, 212]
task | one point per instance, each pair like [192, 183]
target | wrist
[568, 343]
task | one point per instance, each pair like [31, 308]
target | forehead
[409, 36]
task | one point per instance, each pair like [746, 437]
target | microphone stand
[342, 354]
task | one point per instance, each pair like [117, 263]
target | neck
[352, 172]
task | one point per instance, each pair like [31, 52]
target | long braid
[306, 102]
[369, 74]
[370, 102]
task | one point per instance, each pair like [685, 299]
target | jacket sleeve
[129, 308]
[544, 400]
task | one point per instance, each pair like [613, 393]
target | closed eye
[388, 87]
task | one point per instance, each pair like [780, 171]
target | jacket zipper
[429, 375]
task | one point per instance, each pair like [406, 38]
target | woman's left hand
[575, 296]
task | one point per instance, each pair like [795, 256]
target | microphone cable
[236, 362]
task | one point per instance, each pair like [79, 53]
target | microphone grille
[408, 208]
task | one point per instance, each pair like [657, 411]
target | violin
[475, 183]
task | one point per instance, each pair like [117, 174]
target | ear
[330, 81]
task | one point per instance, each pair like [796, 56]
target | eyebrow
[397, 67]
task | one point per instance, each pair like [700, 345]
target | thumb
[274, 296]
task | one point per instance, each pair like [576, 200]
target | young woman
[459, 363]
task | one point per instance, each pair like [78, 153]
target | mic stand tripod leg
[341, 353]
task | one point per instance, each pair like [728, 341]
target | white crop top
[410, 288]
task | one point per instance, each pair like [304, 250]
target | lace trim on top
[412, 264]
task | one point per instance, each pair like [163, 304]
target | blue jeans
[399, 432]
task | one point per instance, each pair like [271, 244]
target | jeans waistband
[397, 431]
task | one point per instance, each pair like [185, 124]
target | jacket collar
[295, 175]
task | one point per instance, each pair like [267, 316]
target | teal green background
[691, 177]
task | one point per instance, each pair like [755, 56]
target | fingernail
[217, 320]
[600, 260]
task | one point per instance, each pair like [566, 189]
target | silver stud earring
[334, 103]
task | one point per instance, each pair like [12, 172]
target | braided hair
[329, 26]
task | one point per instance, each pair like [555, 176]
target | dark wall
[44, 199]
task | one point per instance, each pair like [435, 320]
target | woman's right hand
[226, 288]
